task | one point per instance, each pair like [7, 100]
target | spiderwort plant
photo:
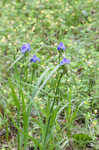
[24, 50]
[59, 77]
[19, 99]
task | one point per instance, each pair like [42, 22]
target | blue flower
[61, 46]
[34, 59]
[65, 61]
[25, 48]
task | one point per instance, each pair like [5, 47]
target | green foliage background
[43, 24]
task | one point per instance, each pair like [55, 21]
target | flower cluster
[25, 48]
[61, 47]
[65, 61]
[34, 59]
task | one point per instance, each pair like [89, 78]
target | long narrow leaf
[15, 98]
[37, 89]
[15, 62]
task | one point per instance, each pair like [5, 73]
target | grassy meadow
[49, 75]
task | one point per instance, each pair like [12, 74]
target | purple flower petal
[25, 47]
[65, 61]
[34, 59]
[61, 46]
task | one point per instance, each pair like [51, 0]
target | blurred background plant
[44, 24]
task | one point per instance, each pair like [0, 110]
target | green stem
[18, 123]
[44, 145]
[59, 56]
[32, 74]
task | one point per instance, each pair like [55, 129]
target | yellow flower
[85, 102]
[94, 123]
[95, 111]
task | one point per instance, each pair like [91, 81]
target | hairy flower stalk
[33, 60]
[60, 49]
